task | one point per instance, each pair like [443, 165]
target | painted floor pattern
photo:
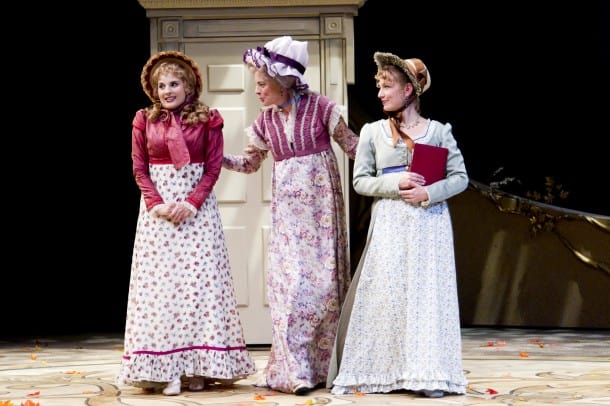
[504, 366]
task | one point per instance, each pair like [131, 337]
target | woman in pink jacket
[182, 317]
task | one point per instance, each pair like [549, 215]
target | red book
[429, 161]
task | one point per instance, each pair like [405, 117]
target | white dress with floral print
[400, 324]
[182, 317]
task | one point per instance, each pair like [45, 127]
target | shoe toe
[197, 384]
[172, 388]
[433, 393]
[301, 390]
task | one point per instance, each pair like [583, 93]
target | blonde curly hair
[194, 110]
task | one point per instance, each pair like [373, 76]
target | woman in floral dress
[182, 317]
[308, 260]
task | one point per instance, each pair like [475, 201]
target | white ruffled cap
[283, 56]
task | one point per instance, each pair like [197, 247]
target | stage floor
[504, 366]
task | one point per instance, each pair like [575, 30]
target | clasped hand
[411, 188]
[174, 212]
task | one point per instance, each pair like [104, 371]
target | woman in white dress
[400, 325]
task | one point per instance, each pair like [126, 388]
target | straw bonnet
[191, 67]
[282, 56]
[414, 68]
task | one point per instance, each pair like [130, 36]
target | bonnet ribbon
[275, 57]
[394, 120]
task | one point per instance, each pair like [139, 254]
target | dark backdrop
[525, 89]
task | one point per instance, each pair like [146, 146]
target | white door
[244, 199]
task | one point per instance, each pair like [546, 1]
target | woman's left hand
[410, 179]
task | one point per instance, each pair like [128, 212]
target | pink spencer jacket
[151, 144]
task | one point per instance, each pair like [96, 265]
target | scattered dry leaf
[497, 343]
[491, 391]
[523, 354]
[33, 394]
[471, 389]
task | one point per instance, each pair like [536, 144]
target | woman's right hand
[163, 210]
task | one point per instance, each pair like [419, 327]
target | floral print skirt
[182, 317]
[401, 319]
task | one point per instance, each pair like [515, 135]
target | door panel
[245, 199]
[244, 204]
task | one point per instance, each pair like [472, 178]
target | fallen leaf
[258, 397]
[523, 354]
[498, 343]
[33, 357]
[491, 391]
[6, 403]
[37, 393]
[471, 389]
